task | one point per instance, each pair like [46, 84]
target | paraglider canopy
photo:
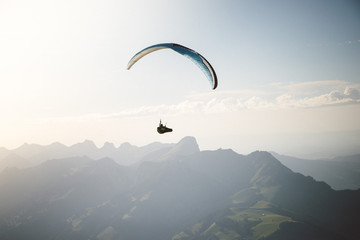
[194, 56]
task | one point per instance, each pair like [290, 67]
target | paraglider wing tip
[215, 85]
[129, 65]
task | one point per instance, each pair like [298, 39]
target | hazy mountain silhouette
[34, 154]
[340, 172]
[350, 158]
[173, 192]
[4, 152]
[12, 160]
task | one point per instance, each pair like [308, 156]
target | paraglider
[163, 129]
[194, 56]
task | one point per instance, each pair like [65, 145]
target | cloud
[313, 88]
[331, 98]
[299, 95]
[353, 93]
[234, 104]
[349, 42]
[277, 96]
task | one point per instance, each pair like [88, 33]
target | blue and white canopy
[199, 60]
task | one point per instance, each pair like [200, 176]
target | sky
[288, 72]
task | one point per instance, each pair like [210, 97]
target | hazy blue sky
[289, 73]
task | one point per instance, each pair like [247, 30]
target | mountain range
[29, 155]
[173, 191]
[340, 173]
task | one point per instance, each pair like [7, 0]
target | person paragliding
[163, 129]
[194, 56]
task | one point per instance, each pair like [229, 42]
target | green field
[257, 222]
[267, 221]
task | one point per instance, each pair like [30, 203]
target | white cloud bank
[278, 96]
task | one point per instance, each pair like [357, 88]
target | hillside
[182, 193]
[340, 173]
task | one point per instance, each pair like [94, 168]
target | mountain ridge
[340, 172]
[35, 154]
[201, 195]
